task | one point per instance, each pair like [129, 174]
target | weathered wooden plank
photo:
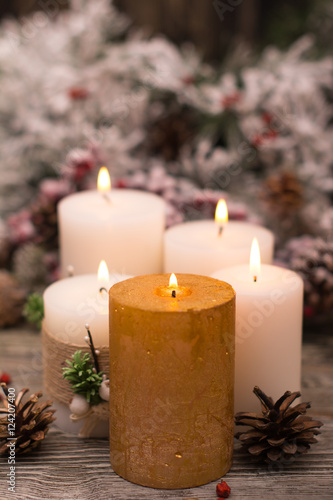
[69, 468]
[73, 475]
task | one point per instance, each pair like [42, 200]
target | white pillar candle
[125, 227]
[196, 247]
[269, 315]
[71, 303]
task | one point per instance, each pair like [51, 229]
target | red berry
[78, 93]
[5, 378]
[272, 134]
[223, 490]
[230, 99]
[267, 117]
[308, 311]
[188, 80]
[257, 140]
[121, 183]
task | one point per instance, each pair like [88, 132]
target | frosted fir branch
[89, 91]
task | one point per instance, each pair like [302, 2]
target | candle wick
[70, 271]
[92, 348]
[107, 198]
[255, 279]
[103, 289]
[173, 294]
[220, 230]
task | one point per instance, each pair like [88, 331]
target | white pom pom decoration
[104, 390]
[79, 405]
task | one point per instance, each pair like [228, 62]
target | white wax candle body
[71, 303]
[195, 247]
[269, 316]
[126, 231]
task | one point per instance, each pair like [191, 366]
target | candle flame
[103, 272]
[103, 181]
[255, 259]
[173, 281]
[221, 212]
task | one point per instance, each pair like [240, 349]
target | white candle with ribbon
[71, 303]
[202, 247]
[269, 312]
[125, 227]
[73, 308]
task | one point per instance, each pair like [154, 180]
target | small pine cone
[12, 298]
[282, 194]
[29, 267]
[170, 132]
[312, 258]
[45, 220]
[280, 432]
[32, 422]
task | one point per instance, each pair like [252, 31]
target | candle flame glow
[221, 215]
[103, 272]
[103, 181]
[255, 259]
[173, 281]
[221, 212]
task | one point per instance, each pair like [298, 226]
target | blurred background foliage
[216, 26]
[98, 87]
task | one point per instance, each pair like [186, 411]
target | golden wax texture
[171, 381]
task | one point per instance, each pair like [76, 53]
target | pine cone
[29, 266]
[12, 298]
[31, 423]
[312, 258]
[168, 134]
[282, 194]
[44, 218]
[280, 432]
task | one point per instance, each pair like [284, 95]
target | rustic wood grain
[69, 468]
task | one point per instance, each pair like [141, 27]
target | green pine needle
[34, 309]
[81, 376]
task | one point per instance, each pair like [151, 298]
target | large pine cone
[31, 423]
[281, 432]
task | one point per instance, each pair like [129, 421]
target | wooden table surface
[67, 467]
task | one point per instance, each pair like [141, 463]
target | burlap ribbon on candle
[55, 352]
[95, 414]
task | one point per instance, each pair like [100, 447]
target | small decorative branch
[92, 348]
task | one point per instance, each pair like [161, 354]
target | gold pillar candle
[171, 380]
